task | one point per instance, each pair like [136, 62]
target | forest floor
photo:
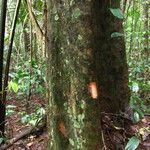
[38, 141]
[14, 126]
[119, 130]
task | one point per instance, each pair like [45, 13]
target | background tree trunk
[146, 5]
[110, 59]
[2, 37]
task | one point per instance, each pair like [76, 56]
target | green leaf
[133, 143]
[9, 112]
[116, 34]
[71, 142]
[81, 117]
[77, 125]
[41, 111]
[10, 106]
[77, 13]
[135, 87]
[136, 117]
[140, 112]
[56, 17]
[117, 12]
[33, 122]
[14, 86]
[1, 140]
[25, 119]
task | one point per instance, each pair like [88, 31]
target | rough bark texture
[146, 5]
[110, 58]
[26, 37]
[81, 56]
[75, 121]
[2, 37]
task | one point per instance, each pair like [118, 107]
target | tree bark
[6, 73]
[2, 37]
[146, 28]
[110, 59]
[73, 112]
[87, 72]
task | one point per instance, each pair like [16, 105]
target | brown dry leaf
[62, 128]
[144, 120]
[32, 137]
[30, 144]
[146, 144]
[144, 132]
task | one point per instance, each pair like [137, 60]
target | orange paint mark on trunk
[62, 129]
[93, 90]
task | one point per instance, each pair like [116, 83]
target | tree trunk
[72, 110]
[110, 59]
[2, 37]
[146, 28]
[87, 72]
[26, 37]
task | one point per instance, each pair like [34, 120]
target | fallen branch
[30, 130]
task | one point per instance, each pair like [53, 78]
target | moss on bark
[80, 52]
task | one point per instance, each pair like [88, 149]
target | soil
[14, 125]
[117, 130]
